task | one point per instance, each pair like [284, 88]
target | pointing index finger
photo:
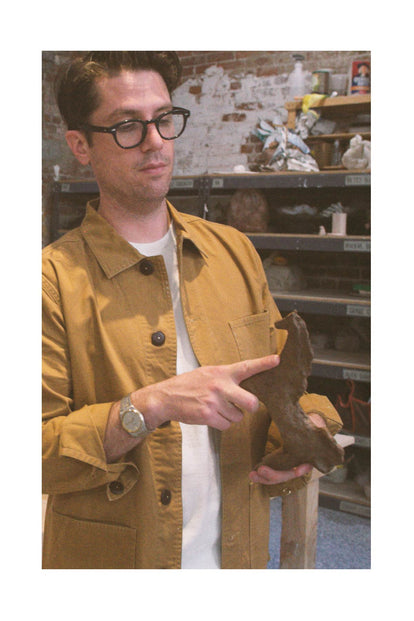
[246, 368]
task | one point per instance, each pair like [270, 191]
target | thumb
[246, 368]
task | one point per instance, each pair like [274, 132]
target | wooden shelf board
[311, 236]
[286, 178]
[231, 181]
[338, 136]
[348, 491]
[319, 295]
[328, 102]
[351, 360]
[323, 303]
[300, 242]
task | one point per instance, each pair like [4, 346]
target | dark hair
[75, 84]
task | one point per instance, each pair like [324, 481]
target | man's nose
[153, 140]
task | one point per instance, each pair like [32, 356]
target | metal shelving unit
[268, 180]
[220, 183]
[203, 186]
[327, 364]
[319, 243]
[322, 302]
[339, 365]
[346, 496]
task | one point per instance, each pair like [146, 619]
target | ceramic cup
[339, 224]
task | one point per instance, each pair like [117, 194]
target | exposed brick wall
[55, 149]
[265, 63]
[226, 91]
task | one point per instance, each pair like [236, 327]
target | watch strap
[126, 405]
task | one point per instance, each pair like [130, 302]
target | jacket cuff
[288, 487]
[81, 440]
[83, 432]
[319, 404]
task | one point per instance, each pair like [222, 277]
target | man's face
[140, 176]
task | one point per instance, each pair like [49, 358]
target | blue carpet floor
[343, 542]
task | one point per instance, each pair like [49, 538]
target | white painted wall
[210, 144]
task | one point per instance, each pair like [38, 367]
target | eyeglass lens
[169, 126]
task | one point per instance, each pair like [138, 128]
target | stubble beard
[151, 194]
[138, 197]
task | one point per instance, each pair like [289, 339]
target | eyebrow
[129, 113]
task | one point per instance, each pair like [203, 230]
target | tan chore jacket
[102, 304]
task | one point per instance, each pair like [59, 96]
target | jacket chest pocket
[253, 336]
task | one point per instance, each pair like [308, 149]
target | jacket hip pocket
[71, 543]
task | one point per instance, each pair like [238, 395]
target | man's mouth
[153, 167]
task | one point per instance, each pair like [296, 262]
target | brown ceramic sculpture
[248, 211]
[280, 389]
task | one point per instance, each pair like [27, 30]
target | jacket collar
[114, 254]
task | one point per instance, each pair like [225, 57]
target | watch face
[131, 421]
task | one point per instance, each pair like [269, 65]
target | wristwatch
[132, 419]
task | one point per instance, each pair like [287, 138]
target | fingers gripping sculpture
[280, 389]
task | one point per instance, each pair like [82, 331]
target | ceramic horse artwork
[280, 389]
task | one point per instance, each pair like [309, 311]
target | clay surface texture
[280, 389]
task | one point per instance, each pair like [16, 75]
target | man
[152, 319]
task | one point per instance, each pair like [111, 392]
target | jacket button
[116, 487]
[165, 497]
[158, 338]
[146, 267]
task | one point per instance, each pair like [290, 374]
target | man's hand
[268, 476]
[209, 395]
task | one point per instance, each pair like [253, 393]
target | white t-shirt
[201, 488]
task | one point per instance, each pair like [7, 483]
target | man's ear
[78, 145]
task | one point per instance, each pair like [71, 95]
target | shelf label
[217, 183]
[353, 507]
[182, 183]
[65, 187]
[358, 180]
[362, 441]
[357, 375]
[357, 310]
[355, 245]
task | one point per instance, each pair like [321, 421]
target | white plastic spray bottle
[296, 79]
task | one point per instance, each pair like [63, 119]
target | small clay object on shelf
[248, 211]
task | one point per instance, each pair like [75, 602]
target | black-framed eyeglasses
[132, 132]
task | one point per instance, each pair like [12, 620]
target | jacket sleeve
[73, 456]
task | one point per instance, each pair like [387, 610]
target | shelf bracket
[54, 216]
[204, 187]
